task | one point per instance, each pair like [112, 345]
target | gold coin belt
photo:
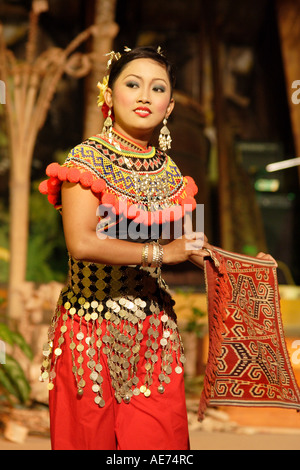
[115, 327]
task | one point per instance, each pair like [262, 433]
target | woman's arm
[79, 207]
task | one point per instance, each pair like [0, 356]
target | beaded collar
[125, 176]
[120, 141]
[127, 155]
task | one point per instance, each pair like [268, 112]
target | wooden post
[222, 131]
[102, 43]
[288, 13]
[30, 87]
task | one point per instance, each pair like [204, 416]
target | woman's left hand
[266, 257]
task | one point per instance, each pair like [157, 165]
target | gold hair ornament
[112, 57]
[102, 86]
[159, 51]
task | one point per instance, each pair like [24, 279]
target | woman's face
[141, 98]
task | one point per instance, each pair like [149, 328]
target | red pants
[158, 422]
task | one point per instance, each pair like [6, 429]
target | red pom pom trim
[189, 204]
[43, 187]
[159, 217]
[108, 199]
[144, 217]
[52, 169]
[120, 207]
[53, 199]
[191, 187]
[134, 210]
[137, 212]
[73, 175]
[62, 173]
[54, 185]
[98, 186]
[86, 179]
[173, 213]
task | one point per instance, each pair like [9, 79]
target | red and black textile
[248, 362]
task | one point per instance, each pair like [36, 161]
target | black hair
[145, 52]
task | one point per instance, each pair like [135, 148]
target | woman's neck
[139, 141]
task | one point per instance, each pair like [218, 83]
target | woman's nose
[144, 96]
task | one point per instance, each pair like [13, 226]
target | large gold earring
[164, 138]
[107, 127]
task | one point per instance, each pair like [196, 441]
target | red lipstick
[142, 111]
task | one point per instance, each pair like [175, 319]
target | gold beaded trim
[121, 343]
[118, 298]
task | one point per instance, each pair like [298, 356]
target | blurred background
[237, 67]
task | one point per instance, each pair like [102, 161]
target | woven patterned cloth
[248, 363]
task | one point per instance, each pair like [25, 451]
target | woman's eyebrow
[141, 78]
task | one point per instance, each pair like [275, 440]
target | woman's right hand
[189, 247]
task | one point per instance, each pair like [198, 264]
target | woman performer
[115, 358]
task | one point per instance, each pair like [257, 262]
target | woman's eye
[160, 89]
[132, 85]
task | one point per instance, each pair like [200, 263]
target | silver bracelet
[157, 256]
[145, 253]
[160, 256]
